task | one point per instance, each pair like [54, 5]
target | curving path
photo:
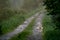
[19, 29]
[37, 28]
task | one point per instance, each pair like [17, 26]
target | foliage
[24, 34]
[47, 24]
[52, 35]
[53, 6]
[10, 19]
[11, 23]
[49, 32]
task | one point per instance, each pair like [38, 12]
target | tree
[53, 7]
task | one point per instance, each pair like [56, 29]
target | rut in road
[37, 29]
[19, 29]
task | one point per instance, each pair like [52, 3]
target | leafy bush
[53, 6]
[12, 22]
[49, 32]
[52, 35]
[47, 23]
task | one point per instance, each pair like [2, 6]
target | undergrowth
[24, 34]
[13, 19]
[49, 31]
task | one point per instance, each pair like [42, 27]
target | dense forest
[53, 9]
[53, 6]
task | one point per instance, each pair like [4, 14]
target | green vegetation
[12, 22]
[10, 19]
[47, 23]
[49, 31]
[52, 35]
[24, 34]
[53, 7]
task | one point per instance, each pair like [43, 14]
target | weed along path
[19, 29]
[37, 29]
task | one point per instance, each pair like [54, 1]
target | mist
[16, 4]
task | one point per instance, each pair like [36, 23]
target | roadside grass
[15, 19]
[47, 23]
[52, 35]
[49, 31]
[24, 34]
[11, 23]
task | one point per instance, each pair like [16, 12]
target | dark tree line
[53, 7]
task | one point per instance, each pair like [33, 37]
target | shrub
[11, 23]
[53, 6]
[52, 35]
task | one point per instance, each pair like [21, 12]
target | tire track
[19, 29]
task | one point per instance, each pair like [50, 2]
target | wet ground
[19, 29]
[37, 29]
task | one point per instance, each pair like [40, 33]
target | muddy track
[37, 29]
[19, 29]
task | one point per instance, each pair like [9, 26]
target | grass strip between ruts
[24, 34]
